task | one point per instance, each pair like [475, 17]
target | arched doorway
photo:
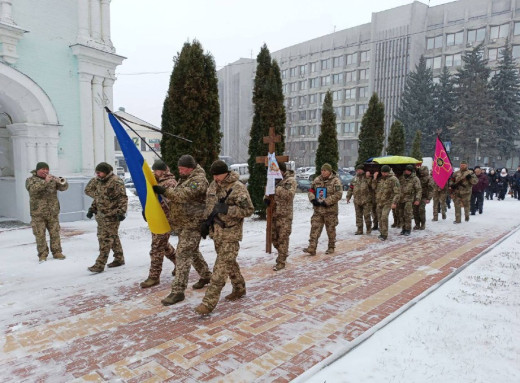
[28, 134]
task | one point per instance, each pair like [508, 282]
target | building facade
[376, 57]
[57, 69]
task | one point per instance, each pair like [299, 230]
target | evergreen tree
[396, 140]
[269, 111]
[191, 109]
[372, 130]
[474, 117]
[506, 94]
[416, 146]
[445, 104]
[417, 104]
[328, 139]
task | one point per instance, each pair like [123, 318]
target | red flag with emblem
[441, 169]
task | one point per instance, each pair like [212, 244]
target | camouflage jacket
[427, 183]
[284, 196]
[188, 200]
[459, 184]
[168, 181]
[388, 190]
[362, 188]
[411, 190]
[240, 206]
[333, 195]
[43, 196]
[109, 196]
[437, 190]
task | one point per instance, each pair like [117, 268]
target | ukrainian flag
[143, 179]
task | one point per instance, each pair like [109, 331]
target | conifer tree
[416, 111]
[416, 146]
[445, 104]
[327, 151]
[505, 87]
[396, 140]
[191, 109]
[474, 117]
[269, 111]
[372, 130]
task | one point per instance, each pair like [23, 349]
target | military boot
[116, 263]
[58, 256]
[407, 233]
[96, 268]
[309, 251]
[149, 282]
[330, 250]
[416, 227]
[278, 266]
[402, 232]
[202, 310]
[443, 215]
[172, 299]
[394, 224]
[422, 226]
[200, 283]
[235, 294]
[173, 272]
[359, 232]
[435, 217]
[375, 227]
[42, 258]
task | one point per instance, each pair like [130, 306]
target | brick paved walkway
[288, 322]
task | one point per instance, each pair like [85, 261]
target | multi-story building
[376, 57]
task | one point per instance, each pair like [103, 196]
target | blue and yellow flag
[143, 179]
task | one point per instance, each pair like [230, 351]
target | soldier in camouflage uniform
[44, 207]
[419, 211]
[227, 204]
[461, 184]
[410, 196]
[187, 204]
[325, 208]
[362, 187]
[281, 226]
[161, 246]
[109, 206]
[387, 198]
[439, 201]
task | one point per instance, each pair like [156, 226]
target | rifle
[212, 219]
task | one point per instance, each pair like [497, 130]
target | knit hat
[187, 161]
[42, 165]
[159, 165]
[463, 162]
[410, 167]
[503, 172]
[326, 167]
[476, 167]
[104, 167]
[385, 169]
[282, 166]
[360, 167]
[218, 167]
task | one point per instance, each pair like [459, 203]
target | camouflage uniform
[460, 190]
[110, 202]
[281, 226]
[419, 212]
[410, 193]
[362, 188]
[187, 204]
[227, 238]
[387, 194]
[375, 219]
[325, 215]
[45, 209]
[439, 197]
[161, 246]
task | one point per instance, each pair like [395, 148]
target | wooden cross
[271, 139]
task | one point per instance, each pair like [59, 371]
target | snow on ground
[463, 332]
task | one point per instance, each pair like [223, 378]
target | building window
[293, 131]
[337, 111]
[516, 51]
[454, 39]
[364, 74]
[322, 97]
[350, 110]
[363, 92]
[293, 86]
[364, 56]
[292, 72]
[312, 114]
[303, 115]
[313, 67]
[303, 69]
[312, 130]
[337, 79]
[325, 81]
[313, 83]
[301, 130]
[325, 64]
[302, 101]
[284, 73]
[349, 127]
[303, 85]
[350, 94]
[517, 28]
[434, 42]
[476, 35]
[336, 95]
[351, 59]
[434, 62]
[499, 31]
[493, 54]
[312, 98]
[454, 60]
[350, 76]
[285, 88]
[337, 62]
[362, 109]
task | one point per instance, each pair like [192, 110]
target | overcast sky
[150, 33]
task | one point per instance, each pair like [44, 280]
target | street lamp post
[476, 150]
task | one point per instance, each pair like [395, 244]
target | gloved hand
[144, 216]
[204, 229]
[468, 176]
[277, 181]
[158, 189]
[322, 203]
[267, 201]
[90, 213]
[121, 217]
[221, 208]
[315, 203]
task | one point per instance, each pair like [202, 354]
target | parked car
[307, 174]
[304, 185]
[345, 180]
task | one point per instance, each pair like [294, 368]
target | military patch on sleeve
[194, 185]
[337, 188]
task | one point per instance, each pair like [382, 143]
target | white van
[242, 170]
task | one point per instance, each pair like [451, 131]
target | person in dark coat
[515, 183]
[477, 192]
[502, 184]
[492, 185]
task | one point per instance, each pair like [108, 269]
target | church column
[105, 19]
[95, 20]
[6, 12]
[109, 132]
[98, 119]
[83, 21]
[87, 135]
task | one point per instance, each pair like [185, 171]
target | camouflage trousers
[462, 200]
[419, 214]
[382, 214]
[161, 248]
[330, 221]
[439, 198]
[398, 219]
[225, 265]
[363, 211]
[108, 238]
[39, 227]
[406, 213]
[281, 229]
[375, 217]
[188, 254]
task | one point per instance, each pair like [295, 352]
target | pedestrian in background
[477, 192]
[502, 184]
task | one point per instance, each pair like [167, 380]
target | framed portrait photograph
[321, 194]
